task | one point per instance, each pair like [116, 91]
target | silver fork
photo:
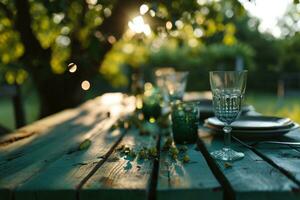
[278, 142]
[251, 146]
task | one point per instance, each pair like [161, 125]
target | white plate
[254, 123]
[257, 133]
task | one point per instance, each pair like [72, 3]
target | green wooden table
[43, 161]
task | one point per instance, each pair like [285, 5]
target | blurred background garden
[57, 54]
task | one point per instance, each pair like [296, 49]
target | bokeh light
[85, 85]
[169, 25]
[152, 120]
[111, 39]
[91, 2]
[72, 67]
[152, 13]
[107, 12]
[179, 24]
[144, 9]
[138, 25]
[198, 32]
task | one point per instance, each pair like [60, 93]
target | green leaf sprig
[143, 153]
[85, 144]
[174, 152]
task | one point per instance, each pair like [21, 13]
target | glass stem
[227, 136]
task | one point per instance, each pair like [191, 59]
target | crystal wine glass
[176, 84]
[228, 89]
[160, 77]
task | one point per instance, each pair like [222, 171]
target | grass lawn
[31, 106]
[268, 104]
[264, 103]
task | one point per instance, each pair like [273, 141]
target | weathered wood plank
[24, 136]
[60, 179]
[249, 178]
[22, 164]
[284, 157]
[193, 180]
[122, 177]
[21, 169]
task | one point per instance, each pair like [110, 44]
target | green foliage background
[204, 35]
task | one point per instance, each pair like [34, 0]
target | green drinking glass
[185, 121]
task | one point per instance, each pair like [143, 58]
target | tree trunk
[57, 92]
